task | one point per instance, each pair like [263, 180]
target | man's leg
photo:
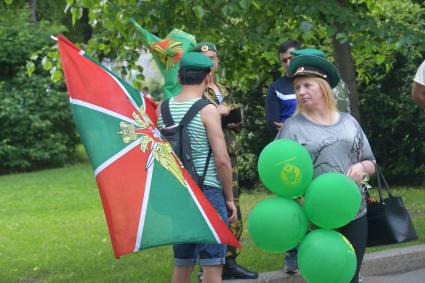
[237, 226]
[231, 270]
[290, 257]
[212, 273]
[291, 264]
[184, 261]
[212, 256]
[182, 274]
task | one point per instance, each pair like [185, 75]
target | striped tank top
[198, 140]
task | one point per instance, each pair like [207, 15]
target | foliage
[396, 128]
[20, 38]
[36, 121]
[37, 128]
[248, 33]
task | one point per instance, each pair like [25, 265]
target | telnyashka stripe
[198, 139]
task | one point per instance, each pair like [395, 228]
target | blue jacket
[281, 102]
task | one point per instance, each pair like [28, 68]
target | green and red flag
[167, 53]
[148, 197]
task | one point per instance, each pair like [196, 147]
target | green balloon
[277, 224]
[285, 168]
[326, 256]
[332, 200]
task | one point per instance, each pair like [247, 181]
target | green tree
[364, 37]
[37, 128]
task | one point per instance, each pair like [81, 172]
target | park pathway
[400, 265]
[416, 276]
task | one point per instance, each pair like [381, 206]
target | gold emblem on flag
[151, 141]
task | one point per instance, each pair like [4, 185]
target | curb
[394, 261]
[386, 262]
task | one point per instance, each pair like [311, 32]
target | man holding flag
[219, 95]
[204, 132]
[149, 199]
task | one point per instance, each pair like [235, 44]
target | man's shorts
[204, 254]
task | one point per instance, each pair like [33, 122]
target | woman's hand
[278, 125]
[357, 172]
[232, 211]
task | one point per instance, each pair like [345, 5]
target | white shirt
[420, 74]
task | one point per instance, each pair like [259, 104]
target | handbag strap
[382, 184]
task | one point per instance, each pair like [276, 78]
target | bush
[37, 128]
[394, 124]
[254, 135]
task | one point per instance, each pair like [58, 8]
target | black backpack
[178, 137]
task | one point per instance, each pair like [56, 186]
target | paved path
[400, 265]
[416, 276]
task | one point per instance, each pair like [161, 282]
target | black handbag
[388, 220]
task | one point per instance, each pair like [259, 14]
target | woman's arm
[359, 170]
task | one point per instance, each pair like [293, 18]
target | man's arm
[272, 109]
[418, 94]
[212, 123]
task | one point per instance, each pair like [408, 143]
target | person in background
[145, 92]
[418, 88]
[334, 139]
[205, 132]
[220, 96]
[280, 101]
[280, 104]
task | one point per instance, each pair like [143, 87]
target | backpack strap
[202, 179]
[166, 114]
[193, 110]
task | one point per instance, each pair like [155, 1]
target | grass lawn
[52, 229]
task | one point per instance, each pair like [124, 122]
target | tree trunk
[345, 64]
[87, 30]
[33, 7]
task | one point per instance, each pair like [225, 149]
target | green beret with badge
[195, 61]
[204, 47]
[311, 62]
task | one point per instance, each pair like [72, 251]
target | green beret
[196, 61]
[204, 47]
[311, 62]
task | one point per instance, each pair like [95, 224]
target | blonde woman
[335, 140]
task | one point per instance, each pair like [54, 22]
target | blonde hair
[330, 102]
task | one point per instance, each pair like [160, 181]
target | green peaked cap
[204, 46]
[195, 60]
[311, 62]
[308, 51]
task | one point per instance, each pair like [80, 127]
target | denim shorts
[203, 253]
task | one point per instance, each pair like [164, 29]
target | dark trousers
[356, 233]
[237, 226]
